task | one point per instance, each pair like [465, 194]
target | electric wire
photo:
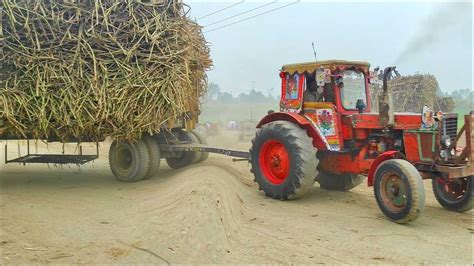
[220, 10]
[245, 12]
[263, 13]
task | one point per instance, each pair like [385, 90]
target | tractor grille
[450, 125]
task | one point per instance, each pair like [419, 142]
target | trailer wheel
[283, 160]
[154, 156]
[399, 190]
[129, 162]
[455, 194]
[198, 154]
[186, 157]
[202, 140]
[342, 182]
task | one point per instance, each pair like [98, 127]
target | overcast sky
[426, 37]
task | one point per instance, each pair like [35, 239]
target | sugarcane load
[85, 70]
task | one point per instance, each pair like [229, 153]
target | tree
[213, 90]
[225, 97]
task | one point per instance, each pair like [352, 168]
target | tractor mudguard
[319, 141]
[380, 159]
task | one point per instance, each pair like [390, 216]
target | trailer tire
[202, 140]
[399, 190]
[283, 160]
[450, 194]
[342, 182]
[128, 161]
[187, 157]
[154, 156]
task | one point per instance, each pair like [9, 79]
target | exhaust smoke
[446, 20]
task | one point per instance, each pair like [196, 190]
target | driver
[311, 94]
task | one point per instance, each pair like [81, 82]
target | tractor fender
[319, 141]
[380, 159]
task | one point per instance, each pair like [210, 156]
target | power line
[253, 9]
[220, 10]
[266, 12]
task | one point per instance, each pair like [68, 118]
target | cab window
[353, 89]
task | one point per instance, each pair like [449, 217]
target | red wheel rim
[394, 191]
[453, 190]
[274, 161]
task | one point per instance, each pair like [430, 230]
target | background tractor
[325, 132]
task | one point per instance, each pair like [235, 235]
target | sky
[426, 37]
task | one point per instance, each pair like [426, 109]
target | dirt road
[208, 213]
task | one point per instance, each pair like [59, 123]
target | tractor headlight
[445, 141]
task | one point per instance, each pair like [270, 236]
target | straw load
[410, 93]
[87, 69]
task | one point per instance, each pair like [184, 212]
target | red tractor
[325, 132]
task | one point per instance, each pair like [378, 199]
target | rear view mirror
[372, 77]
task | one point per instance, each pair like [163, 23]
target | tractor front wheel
[283, 160]
[399, 190]
[454, 194]
[342, 182]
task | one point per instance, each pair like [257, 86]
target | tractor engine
[381, 141]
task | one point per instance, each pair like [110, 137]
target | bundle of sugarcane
[445, 104]
[86, 69]
[410, 93]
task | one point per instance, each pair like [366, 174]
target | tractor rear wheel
[454, 194]
[283, 160]
[399, 190]
[185, 158]
[202, 140]
[154, 156]
[342, 182]
[128, 161]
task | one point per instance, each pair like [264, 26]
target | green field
[461, 111]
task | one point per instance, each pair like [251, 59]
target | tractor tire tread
[303, 152]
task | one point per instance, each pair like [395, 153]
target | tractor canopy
[333, 65]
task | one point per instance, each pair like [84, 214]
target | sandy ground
[208, 213]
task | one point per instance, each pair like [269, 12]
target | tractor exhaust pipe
[386, 113]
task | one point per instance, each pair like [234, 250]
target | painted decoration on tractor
[292, 91]
[326, 121]
[428, 119]
[292, 88]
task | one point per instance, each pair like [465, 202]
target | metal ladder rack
[29, 158]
